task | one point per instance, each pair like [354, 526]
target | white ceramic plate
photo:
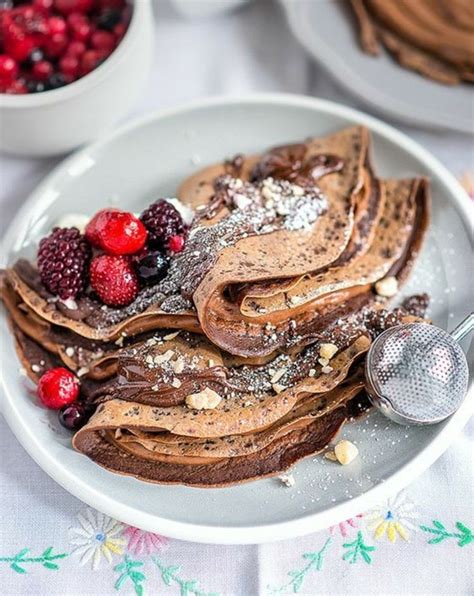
[148, 158]
[327, 29]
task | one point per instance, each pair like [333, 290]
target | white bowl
[57, 121]
[123, 169]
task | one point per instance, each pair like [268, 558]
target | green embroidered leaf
[137, 576]
[121, 580]
[298, 582]
[120, 567]
[438, 525]
[47, 552]
[464, 537]
[357, 549]
[139, 590]
[168, 573]
[17, 568]
[21, 554]
[50, 565]
[436, 540]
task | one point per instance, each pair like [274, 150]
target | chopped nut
[82, 371]
[312, 372]
[176, 383]
[278, 375]
[277, 388]
[178, 366]
[330, 455]
[323, 361]
[207, 399]
[346, 452]
[118, 433]
[69, 351]
[35, 368]
[387, 287]
[327, 351]
[287, 479]
[211, 363]
[327, 369]
[163, 357]
[119, 341]
[171, 335]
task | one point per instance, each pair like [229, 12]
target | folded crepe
[284, 244]
[432, 37]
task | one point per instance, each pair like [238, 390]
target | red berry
[92, 228]
[117, 4]
[176, 243]
[8, 68]
[69, 65]
[56, 44]
[44, 6]
[57, 25]
[119, 232]
[18, 46]
[76, 49]
[14, 88]
[68, 6]
[90, 60]
[42, 70]
[57, 388]
[80, 26]
[119, 30]
[103, 40]
[114, 280]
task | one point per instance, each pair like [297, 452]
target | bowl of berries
[69, 69]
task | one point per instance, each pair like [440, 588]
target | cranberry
[42, 70]
[44, 6]
[73, 416]
[119, 30]
[69, 6]
[117, 4]
[56, 44]
[57, 25]
[81, 31]
[103, 40]
[76, 49]
[8, 68]
[18, 46]
[69, 65]
[15, 88]
[90, 60]
[58, 387]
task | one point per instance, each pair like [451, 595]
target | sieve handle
[464, 327]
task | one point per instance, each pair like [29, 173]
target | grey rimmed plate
[148, 158]
[327, 29]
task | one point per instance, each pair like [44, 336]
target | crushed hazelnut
[171, 335]
[312, 372]
[178, 366]
[327, 351]
[387, 287]
[176, 383]
[346, 452]
[163, 357]
[327, 369]
[35, 368]
[70, 351]
[277, 388]
[278, 375]
[330, 455]
[82, 371]
[207, 399]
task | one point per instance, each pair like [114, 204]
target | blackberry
[162, 221]
[63, 261]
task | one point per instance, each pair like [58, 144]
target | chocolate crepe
[432, 37]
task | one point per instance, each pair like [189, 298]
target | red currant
[103, 40]
[57, 388]
[56, 44]
[76, 49]
[18, 46]
[90, 60]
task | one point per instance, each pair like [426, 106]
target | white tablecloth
[419, 543]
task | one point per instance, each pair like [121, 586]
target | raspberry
[58, 387]
[114, 280]
[116, 232]
[63, 259]
[162, 221]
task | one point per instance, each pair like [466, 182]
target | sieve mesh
[420, 370]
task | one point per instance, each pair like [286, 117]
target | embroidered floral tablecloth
[419, 542]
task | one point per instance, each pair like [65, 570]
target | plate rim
[251, 534]
[358, 87]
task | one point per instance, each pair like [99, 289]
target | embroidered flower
[141, 542]
[344, 527]
[96, 535]
[393, 519]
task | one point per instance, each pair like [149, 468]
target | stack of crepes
[249, 354]
[432, 37]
